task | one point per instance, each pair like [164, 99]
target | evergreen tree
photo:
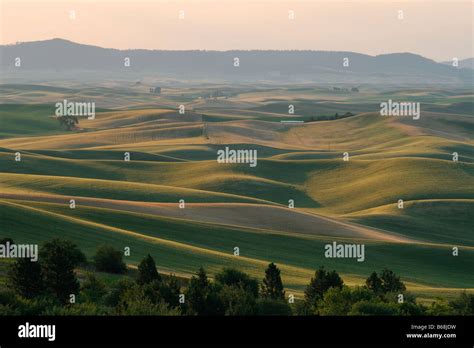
[198, 292]
[272, 286]
[25, 278]
[170, 290]
[147, 271]
[391, 282]
[374, 283]
[58, 260]
[320, 283]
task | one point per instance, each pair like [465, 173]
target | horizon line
[223, 51]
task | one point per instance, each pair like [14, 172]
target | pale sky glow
[436, 29]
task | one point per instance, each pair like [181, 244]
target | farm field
[136, 203]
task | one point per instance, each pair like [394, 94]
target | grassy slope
[179, 244]
[311, 183]
[446, 221]
[387, 160]
[27, 120]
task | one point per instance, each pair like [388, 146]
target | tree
[237, 300]
[336, 301]
[391, 282]
[68, 122]
[118, 289]
[272, 286]
[107, 259]
[68, 248]
[25, 278]
[202, 296]
[374, 283]
[385, 283]
[320, 283]
[440, 307]
[231, 277]
[170, 291]
[237, 292]
[464, 304]
[339, 301]
[198, 292]
[147, 271]
[93, 289]
[58, 260]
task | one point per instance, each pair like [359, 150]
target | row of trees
[51, 286]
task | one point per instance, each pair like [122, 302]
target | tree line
[51, 287]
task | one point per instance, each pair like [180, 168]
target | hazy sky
[437, 29]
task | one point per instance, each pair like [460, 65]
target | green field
[135, 203]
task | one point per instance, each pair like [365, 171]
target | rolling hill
[135, 203]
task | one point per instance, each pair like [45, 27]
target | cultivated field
[173, 157]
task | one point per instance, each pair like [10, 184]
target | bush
[112, 299]
[93, 289]
[87, 308]
[440, 307]
[37, 306]
[373, 308]
[107, 259]
[268, 306]
[8, 310]
[464, 304]
[336, 301]
[134, 301]
[233, 277]
[237, 300]
[303, 308]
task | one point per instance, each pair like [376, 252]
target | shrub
[268, 306]
[107, 259]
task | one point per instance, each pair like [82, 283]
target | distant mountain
[57, 58]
